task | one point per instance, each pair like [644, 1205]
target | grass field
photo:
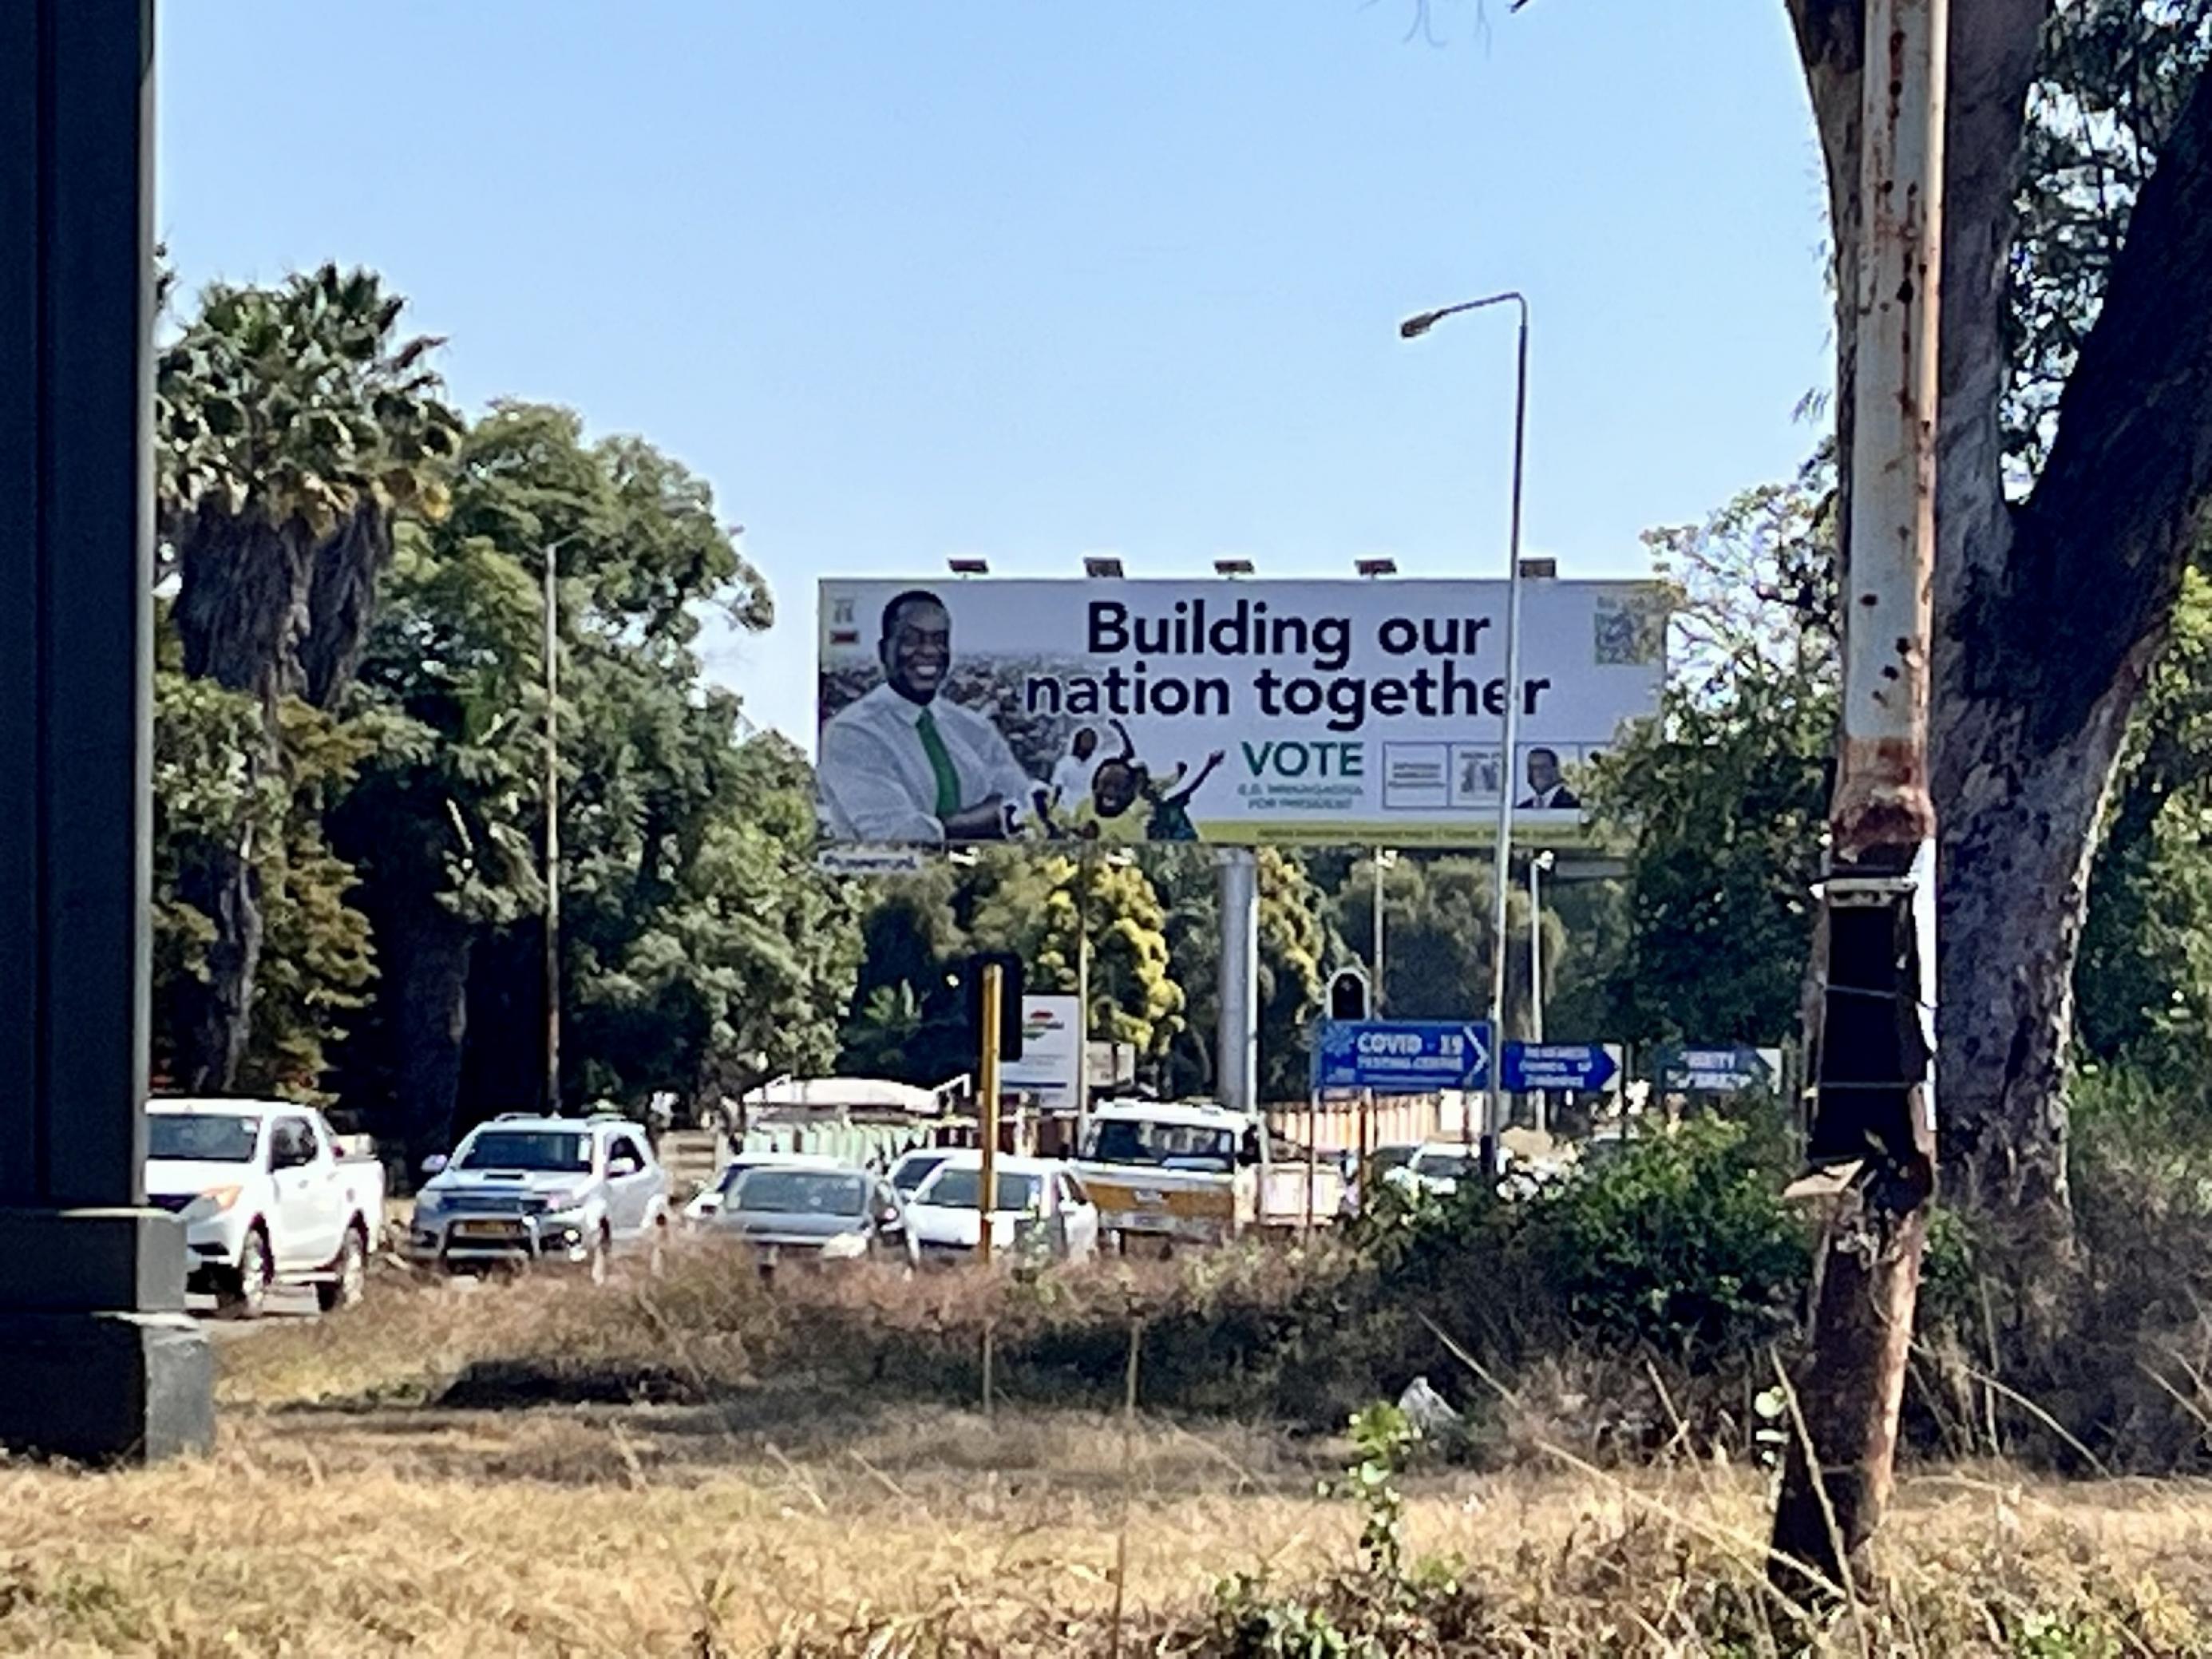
[347, 1513]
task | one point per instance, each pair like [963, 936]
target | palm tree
[293, 425]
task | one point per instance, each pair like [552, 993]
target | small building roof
[821, 1094]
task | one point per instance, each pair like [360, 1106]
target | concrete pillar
[98, 1361]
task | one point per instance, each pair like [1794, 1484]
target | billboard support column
[98, 1361]
[1236, 1040]
[1083, 998]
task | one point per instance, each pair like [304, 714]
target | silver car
[809, 1215]
[524, 1189]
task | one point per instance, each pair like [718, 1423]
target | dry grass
[343, 1517]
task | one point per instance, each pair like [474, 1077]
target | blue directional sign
[1586, 1067]
[1403, 1056]
[1719, 1071]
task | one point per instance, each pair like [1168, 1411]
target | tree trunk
[241, 608]
[2017, 858]
[214, 1015]
[425, 991]
[341, 600]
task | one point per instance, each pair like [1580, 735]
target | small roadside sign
[1583, 1067]
[1719, 1071]
[868, 860]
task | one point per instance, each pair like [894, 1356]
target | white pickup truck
[266, 1198]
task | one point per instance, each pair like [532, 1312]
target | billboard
[1049, 1046]
[1232, 712]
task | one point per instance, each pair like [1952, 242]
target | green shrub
[1681, 1245]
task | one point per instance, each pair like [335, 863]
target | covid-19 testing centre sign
[1224, 711]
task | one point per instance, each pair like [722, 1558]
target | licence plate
[486, 1230]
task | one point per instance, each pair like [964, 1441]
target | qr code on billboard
[1629, 630]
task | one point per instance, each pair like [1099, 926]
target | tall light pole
[1385, 860]
[1539, 864]
[1411, 329]
[552, 969]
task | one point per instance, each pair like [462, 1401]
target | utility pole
[987, 1107]
[1538, 863]
[1874, 1130]
[552, 829]
[1374, 996]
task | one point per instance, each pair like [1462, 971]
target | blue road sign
[1588, 1067]
[1719, 1071]
[1403, 1056]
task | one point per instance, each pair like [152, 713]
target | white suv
[524, 1189]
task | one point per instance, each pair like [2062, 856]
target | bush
[1681, 1245]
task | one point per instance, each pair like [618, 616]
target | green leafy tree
[2144, 981]
[318, 963]
[1040, 905]
[1296, 941]
[697, 947]
[293, 426]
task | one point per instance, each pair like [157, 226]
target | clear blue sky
[1030, 280]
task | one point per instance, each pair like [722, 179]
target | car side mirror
[435, 1164]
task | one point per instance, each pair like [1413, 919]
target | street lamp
[552, 969]
[1539, 864]
[1411, 329]
[1385, 860]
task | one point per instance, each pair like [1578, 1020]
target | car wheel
[596, 1263]
[256, 1270]
[352, 1270]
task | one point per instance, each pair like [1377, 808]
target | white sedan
[1040, 1206]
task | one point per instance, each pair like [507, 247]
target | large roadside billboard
[1224, 711]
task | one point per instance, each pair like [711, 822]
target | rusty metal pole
[1873, 1137]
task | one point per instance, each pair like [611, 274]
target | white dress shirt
[876, 782]
[1071, 781]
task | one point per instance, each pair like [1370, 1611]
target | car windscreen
[736, 1171]
[1141, 1140]
[202, 1137]
[800, 1192]
[956, 1189]
[525, 1149]
[915, 1169]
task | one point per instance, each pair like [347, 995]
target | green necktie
[940, 762]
